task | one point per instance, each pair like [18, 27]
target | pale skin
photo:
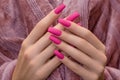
[87, 50]
[35, 62]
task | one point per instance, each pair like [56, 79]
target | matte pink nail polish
[64, 22]
[59, 8]
[73, 16]
[54, 31]
[55, 39]
[58, 54]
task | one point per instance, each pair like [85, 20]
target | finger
[78, 55]
[78, 42]
[73, 51]
[42, 26]
[49, 67]
[82, 32]
[43, 42]
[75, 67]
[44, 56]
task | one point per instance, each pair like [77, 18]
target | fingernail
[55, 39]
[54, 31]
[59, 9]
[64, 22]
[58, 54]
[73, 16]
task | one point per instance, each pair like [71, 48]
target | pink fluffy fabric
[18, 17]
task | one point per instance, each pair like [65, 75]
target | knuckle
[100, 70]
[104, 59]
[24, 44]
[27, 55]
[31, 64]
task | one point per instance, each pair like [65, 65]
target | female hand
[86, 49]
[34, 60]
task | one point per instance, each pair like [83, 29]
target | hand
[83, 47]
[34, 60]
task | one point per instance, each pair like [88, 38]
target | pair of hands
[36, 60]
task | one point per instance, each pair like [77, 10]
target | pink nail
[54, 31]
[64, 22]
[58, 54]
[55, 39]
[73, 16]
[59, 9]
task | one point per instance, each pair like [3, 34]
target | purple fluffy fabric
[18, 17]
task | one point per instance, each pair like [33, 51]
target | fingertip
[59, 54]
[65, 23]
[73, 16]
[54, 31]
[59, 9]
[55, 40]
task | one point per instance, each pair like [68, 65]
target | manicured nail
[55, 39]
[64, 22]
[73, 16]
[54, 31]
[59, 9]
[58, 54]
